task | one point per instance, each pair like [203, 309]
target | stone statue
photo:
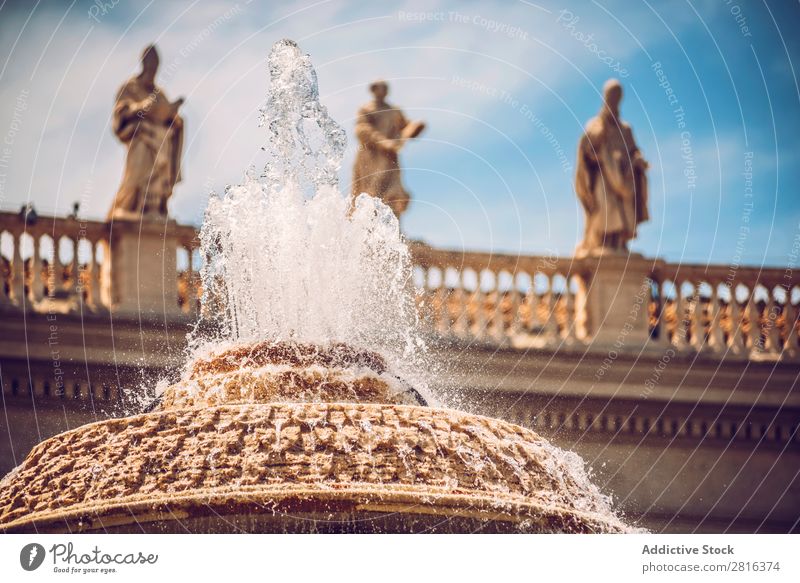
[149, 125]
[382, 131]
[610, 179]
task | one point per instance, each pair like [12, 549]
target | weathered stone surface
[203, 460]
[282, 371]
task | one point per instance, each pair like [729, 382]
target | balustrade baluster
[497, 329]
[737, 341]
[790, 318]
[94, 277]
[479, 308]
[528, 323]
[37, 284]
[568, 333]
[773, 333]
[551, 316]
[580, 310]
[18, 272]
[6, 298]
[716, 338]
[74, 267]
[754, 319]
[514, 320]
[56, 280]
[698, 332]
[682, 319]
[661, 330]
[461, 327]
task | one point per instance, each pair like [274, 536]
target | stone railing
[620, 303]
[524, 301]
[46, 259]
[68, 264]
[716, 309]
[614, 302]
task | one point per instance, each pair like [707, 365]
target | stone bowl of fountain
[292, 437]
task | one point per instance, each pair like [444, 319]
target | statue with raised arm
[610, 180]
[382, 130]
[149, 125]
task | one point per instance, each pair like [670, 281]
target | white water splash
[290, 257]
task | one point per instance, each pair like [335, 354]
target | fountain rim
[268, 498]
[356, 495]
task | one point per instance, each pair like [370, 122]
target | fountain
[305, 405]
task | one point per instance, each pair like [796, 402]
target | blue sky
[505, 87]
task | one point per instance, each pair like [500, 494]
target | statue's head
[150, 60]
[612, 94]
[379, 89]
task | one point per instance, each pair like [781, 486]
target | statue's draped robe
[376, 170]
[142, 121]
[610, 184]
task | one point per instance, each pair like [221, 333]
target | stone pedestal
[139, 270]
[615, 298]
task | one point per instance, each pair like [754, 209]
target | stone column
[615, 299]
[140, 273]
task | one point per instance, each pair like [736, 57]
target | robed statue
[610, 180]
[382, 130]
[149, 125]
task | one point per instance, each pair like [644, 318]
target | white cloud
[66, 147]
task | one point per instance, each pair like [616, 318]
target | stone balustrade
[68, 264]
[522, 301]
[619, 303]
[746, 311]
[45, 259]
[552, 302]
